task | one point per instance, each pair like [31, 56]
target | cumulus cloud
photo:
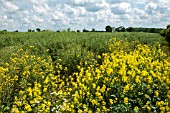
[41, 9]
[8, 7]
[116, 1]
[80, 14]
[121, 8]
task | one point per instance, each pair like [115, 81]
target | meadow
[90, 72]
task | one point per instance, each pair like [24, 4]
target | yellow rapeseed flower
[126, 100]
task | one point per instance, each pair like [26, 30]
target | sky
[82, 14]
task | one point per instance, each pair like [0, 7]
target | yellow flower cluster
[135, 79]
[130, 78]
[26, 82]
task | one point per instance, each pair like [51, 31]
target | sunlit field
[69, 72]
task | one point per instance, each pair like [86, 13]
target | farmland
[84, 72]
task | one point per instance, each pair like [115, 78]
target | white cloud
[151, 6]
[41, 9]
[8, 7]
[25, 20]
[116, 1]
[37, 19]
[121, 8]
[80, 14]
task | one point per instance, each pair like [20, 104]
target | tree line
[132, 29]
[108, 28]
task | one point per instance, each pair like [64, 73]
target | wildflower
[80, 111]
[126, 88]
[137, 79]
[144, 73]
[126, 100]
[109, 71]
[104, 108]
[156, 93]
[111, 101]
[45, 89]
[148, 108]
[28, 108]
[94, 85]
[162, 108]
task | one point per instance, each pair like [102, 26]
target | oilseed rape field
[84, 73]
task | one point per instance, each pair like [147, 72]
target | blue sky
[79, 14]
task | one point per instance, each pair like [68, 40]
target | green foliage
[3, 32]
[130, 29]
[121, 76]
[162, 32]
[38, 29]
[108, 28]
[121, 29]
[168, 26]
[166, 33]
[62, 42]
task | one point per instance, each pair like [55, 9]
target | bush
[166, 33]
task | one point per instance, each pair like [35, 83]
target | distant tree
[121, 29]
[38, 29]
[16, 31]
[29, 30]
[130, 29]
[162, 32]
[93, 30]
[33, 31]
[58, 30]
[5, 30]
[166, 33]
[168, 26]
[145, 30]
[152, 30]
[108, 28]
[84, 30]
[78, 30]
[68, 29]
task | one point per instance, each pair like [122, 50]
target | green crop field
[89, 72]
[62, 42]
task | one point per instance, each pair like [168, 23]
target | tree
[168, 26]
[121, 29]
[29, 30]
[152, 30]
[166, 33]
[68, 29]
[93, 30]
[130, 29]
[108, 28]
[38, 29]
[78, 30]
[84, 30]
